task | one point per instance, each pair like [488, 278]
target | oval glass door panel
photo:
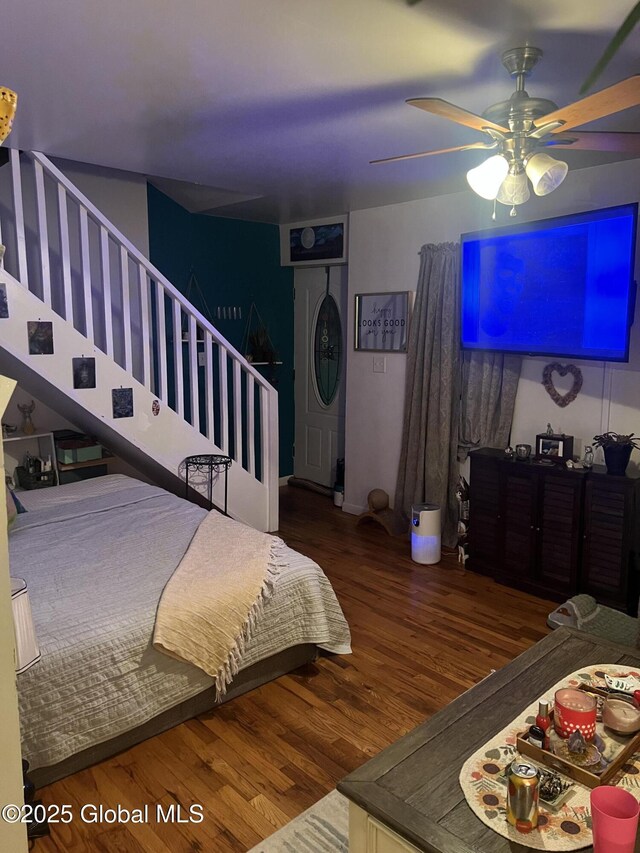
[327, 346]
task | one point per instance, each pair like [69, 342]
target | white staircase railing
[66, 252]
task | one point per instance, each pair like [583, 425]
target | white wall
[383, 256]
[120, 196]
[44, 418]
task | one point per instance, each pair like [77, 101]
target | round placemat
[569, 826]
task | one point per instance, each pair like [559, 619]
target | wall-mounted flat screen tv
[557, 287]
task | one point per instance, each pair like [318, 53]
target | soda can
[522, 796]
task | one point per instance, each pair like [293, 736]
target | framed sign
[382, 321]
[314, 244]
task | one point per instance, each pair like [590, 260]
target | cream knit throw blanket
[212, 601]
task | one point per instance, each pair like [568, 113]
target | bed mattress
[96, 556]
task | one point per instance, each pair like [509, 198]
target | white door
[320, 370]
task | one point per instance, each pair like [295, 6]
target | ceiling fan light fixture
[545, 173]
[514, 189]
[486, 179]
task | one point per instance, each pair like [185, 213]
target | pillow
[19, 506]
[12, 510]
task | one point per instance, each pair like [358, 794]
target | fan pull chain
[493, 215]
[513, 211]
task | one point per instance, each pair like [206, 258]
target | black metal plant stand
[207, 465]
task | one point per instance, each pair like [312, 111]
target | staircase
[66, 264]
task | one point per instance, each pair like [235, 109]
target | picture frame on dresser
[556, 447]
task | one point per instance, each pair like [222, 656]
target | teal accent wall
[235, 263]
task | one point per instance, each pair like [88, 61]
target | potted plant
[617, 450]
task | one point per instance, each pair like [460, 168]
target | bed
[96, 556]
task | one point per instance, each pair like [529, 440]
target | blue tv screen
[558, 287]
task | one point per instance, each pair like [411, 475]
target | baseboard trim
[284, 481]
[353, 509]
[301, 483]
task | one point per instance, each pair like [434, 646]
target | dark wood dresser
[555, 531]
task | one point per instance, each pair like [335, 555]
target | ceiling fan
[522, 128]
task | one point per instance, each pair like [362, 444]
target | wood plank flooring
[420, 634]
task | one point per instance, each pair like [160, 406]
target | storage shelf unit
[88, 463]
[555, 531]
[46, 445]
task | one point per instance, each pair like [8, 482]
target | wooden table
[412, 789]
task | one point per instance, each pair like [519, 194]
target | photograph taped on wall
[122, 401]
[316, 243]
[84, 372]
[40, 335]
[382, 321]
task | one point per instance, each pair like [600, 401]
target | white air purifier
[425, 533]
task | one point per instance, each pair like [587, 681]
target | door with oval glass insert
[320, 365]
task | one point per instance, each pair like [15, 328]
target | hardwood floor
[420, 634]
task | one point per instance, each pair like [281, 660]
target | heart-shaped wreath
[547, 380]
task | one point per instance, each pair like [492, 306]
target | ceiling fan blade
[443, 108]
[618, 97]
[627, 143]
[485, 145]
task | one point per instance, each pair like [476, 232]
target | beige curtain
[489, 386]
[428, 469]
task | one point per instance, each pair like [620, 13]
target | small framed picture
[122, 402]
[382, 321]
[84, 372]
[316, 243]
[40, 335]
[551, 447]
[554, 448]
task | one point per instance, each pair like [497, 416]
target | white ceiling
[278, 105]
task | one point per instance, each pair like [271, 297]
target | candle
[621, 715]
[574, 710]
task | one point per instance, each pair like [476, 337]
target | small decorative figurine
[26, 410]
[577, 743]
[587, 460]
[549, 429]
[508, 451]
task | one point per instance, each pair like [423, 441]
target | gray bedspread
[96, 556]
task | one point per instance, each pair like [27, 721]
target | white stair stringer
[155, 444]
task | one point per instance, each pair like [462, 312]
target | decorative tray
[615, 751]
